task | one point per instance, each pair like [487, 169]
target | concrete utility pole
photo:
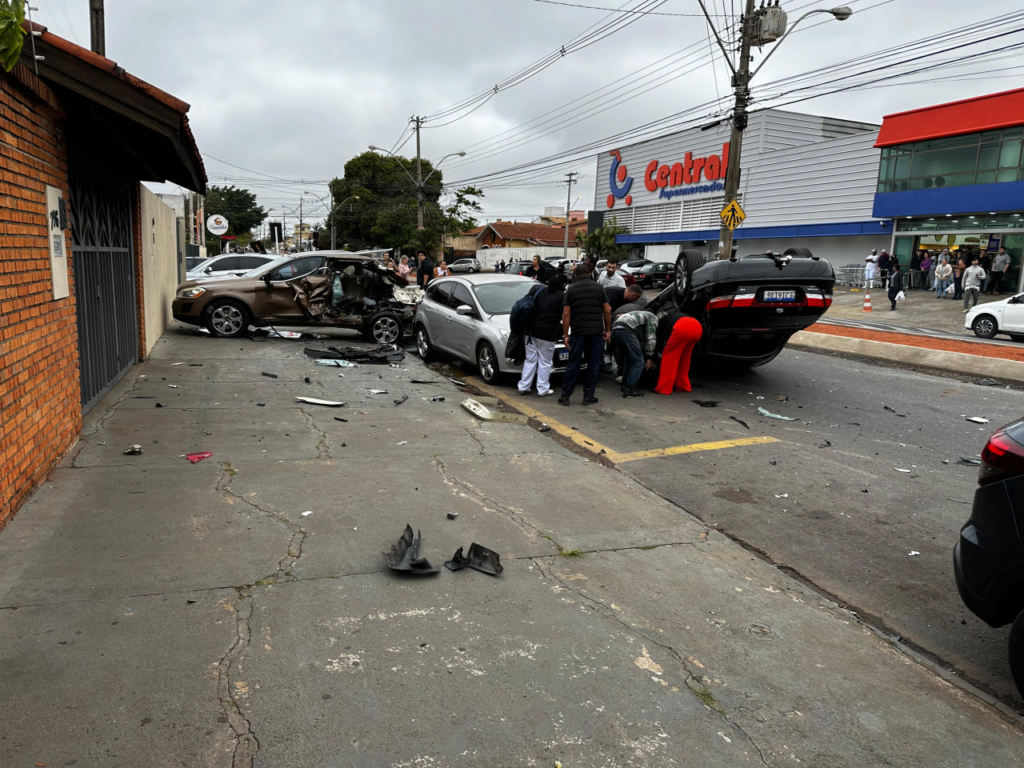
[418, 121]
[766, 25]
[97, 37]
[571, 176]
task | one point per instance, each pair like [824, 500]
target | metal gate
[104, 283]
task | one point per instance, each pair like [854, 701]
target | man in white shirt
[609, 278]
[973, 277]
[869, 269]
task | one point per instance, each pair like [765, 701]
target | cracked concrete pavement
[155, 612]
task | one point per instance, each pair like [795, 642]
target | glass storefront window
[961, 223]
[978, 158]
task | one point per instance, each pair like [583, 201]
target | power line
[618, 10]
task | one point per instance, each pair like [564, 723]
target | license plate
[563, 357]
[780, 295]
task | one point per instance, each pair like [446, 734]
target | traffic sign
[217, 224]
[732, 215]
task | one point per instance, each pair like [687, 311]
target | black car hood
[760, 269]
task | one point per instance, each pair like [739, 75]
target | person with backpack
[543, 329]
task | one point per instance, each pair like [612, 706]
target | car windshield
[498, 298]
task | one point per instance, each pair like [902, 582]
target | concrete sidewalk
[154, 612]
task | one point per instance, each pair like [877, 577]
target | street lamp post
[756, 28]
[333, 210]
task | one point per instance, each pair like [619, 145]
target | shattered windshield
[498, 298]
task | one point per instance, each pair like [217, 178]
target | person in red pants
[678, 334]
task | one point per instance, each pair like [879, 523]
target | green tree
[12, 14]
[239, 207]
[384, 216]
[602, 241]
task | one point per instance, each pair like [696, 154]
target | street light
[333, 210]
[758, 28]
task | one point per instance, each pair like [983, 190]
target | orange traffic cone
[867, 300]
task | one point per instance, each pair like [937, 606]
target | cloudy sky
[291, 91]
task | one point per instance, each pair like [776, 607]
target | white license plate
[563, 357]
[780, 295]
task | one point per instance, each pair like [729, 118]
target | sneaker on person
[546, 394]
[618, 379]
[631, 393]
[563, 400]
[589, 400]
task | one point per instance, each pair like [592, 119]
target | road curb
[957, 362]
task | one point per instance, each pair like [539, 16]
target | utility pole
[418, 121]
[333, 209]
[97, 37]
[300, 224]
[741, 84]
[571, 176]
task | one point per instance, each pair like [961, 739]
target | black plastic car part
[405, 555]
[479, 558]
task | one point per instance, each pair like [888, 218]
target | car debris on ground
[405, 555]
[770, 415]
[335, 362]
[479, 558]
[401, 400]
[740, 422]
[317, 401]
[133, 450]
[486, 414]
[969, 462]
[707, 403]
[195, 458]
[269, 375]
[987, 383]
[977, 419]
[382, 354]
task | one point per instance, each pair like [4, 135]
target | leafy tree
[384, 216]
[602, 241]
[239, 207]
[12, 14]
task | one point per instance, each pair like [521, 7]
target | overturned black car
[750, 306]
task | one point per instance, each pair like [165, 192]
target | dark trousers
[995, 286]
[583, 347]
[958, 287]
[627, 340]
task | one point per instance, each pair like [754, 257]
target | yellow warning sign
[732, 215]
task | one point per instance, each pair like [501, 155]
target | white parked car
[228, 265]
[1006, 316]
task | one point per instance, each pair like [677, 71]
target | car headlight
[506, 334]
[191, 293]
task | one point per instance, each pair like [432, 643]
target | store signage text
[662, 175]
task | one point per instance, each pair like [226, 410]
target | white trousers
[869, 276]
[539, 357]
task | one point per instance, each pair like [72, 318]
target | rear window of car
[498, 298]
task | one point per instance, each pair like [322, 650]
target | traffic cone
[867, 300]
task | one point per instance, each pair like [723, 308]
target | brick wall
[40, 408]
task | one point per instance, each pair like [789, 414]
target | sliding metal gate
[104, 283]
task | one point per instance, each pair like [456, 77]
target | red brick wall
[40, 402]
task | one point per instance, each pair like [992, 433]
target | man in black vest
[586, 326]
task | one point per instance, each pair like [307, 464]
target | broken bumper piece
[405, 555]
[479, 559]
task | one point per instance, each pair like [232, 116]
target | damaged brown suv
[325, 288]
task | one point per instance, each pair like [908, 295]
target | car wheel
[1018, 337]
[227, 319]
[426, 352]
[803, 252]
[1017, 652]
[985, 326]
[687, 261]
[384, 328]
[487, 363]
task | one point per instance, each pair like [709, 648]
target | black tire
[985, 326]
[226, 318]
[1018, 337]
[487, 363]
[689, 260]
[384, 328]
[1017, 652]
[423, 348]
[801, 252]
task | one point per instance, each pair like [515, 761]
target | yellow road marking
[595, 447]
[693, 448]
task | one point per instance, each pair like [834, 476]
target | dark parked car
[518, 267]
[656, 275]
[988, 560]
[332, 288]
[749, 307]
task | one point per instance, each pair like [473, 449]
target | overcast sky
[293, 90]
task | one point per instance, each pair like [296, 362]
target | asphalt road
[826, 501]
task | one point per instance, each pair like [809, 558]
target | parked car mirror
[465, 309]
[208, 270]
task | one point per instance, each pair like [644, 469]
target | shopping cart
[851, 274]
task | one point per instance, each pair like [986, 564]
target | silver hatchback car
[464, 265]
[468, 317]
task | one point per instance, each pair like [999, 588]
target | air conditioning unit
[769, 25]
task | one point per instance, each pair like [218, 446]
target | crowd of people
[964, 275]
[604, 325]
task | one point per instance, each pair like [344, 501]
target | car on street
[657, 275]
[634, 266]
[468, 318]
[469, 266]
[988, 559]
[227, 265]
[326, 288]
[1006, 316]
[191, 262]
[749, 307]
[517, 267]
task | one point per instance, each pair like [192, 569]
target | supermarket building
[946, 176]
